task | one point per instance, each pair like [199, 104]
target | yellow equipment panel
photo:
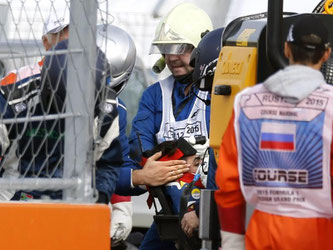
[237, 68]
[54, 226]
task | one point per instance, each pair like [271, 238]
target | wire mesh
[327, 70]
[50, 101]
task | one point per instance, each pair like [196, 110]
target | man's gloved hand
[121, 221]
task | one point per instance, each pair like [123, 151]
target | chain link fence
[50, 128]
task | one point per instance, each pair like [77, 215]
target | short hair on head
[303, 55]
[308, 38]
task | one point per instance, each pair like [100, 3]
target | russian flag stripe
[277, 145]
[277, 137]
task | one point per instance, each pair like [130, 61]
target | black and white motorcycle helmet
[204, 59]
[120, 51]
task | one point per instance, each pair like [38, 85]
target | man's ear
[287, 51]
[45, 42]
[326, 55]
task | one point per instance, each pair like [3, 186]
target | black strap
[185, 242]
[180, 107]
[166, 203]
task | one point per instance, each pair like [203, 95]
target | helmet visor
[171, 49]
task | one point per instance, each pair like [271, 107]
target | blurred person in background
[37, 146]
[17, 97]
[55, 30]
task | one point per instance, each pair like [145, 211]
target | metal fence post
[80, 98]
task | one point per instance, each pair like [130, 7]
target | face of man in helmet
[179, 64]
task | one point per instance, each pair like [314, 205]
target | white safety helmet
[120, 51]
[180, 30]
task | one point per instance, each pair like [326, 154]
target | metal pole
[274, 47]
[37, 118]
[14, 55]
[80, 98]
[41, 183]
[206, 198]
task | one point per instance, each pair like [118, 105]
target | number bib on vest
[194, 125]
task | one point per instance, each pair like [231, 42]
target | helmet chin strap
[185, 79]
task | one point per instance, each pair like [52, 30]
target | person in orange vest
[276, 153]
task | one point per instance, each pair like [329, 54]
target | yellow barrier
[236, 67]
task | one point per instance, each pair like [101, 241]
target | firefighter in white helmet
[169, 108]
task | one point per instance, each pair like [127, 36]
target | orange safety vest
[279, 221]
